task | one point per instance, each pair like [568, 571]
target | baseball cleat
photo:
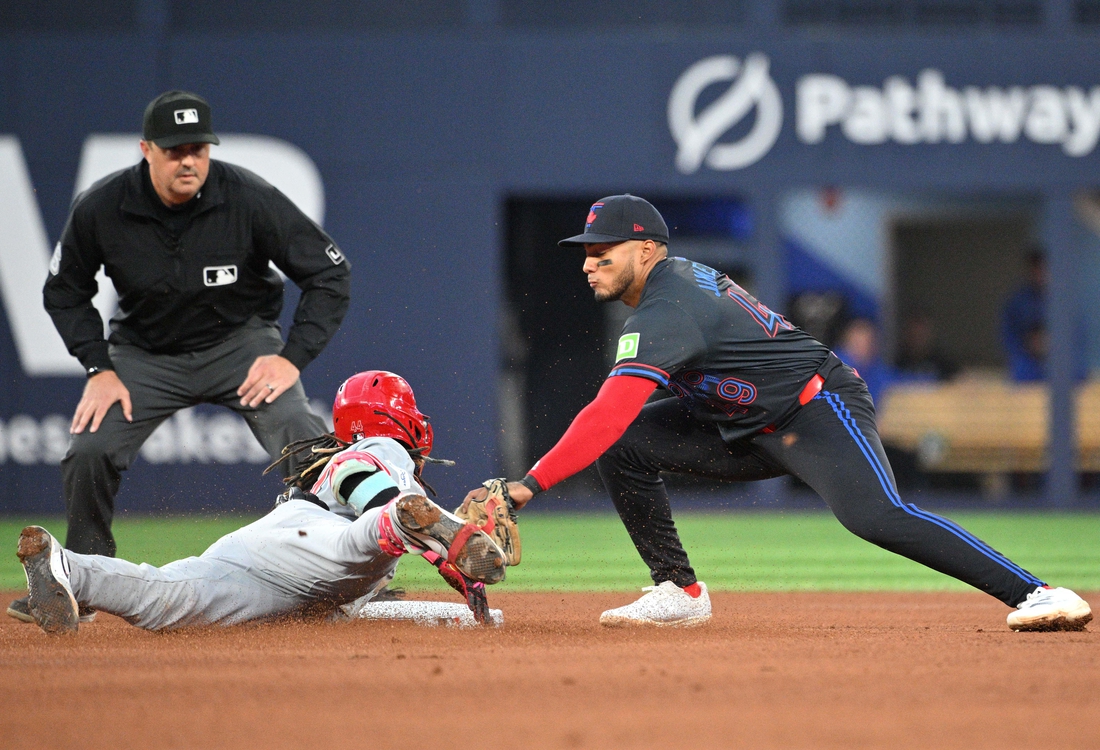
[665, 606]
[20, 609]
[471, 550]
[1051, 609]
[52, 603]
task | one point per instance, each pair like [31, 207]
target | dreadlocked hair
[318, 452]
[418, 457]
[417, 454]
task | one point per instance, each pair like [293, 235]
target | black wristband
[531, 483]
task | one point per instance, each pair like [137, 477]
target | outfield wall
[417, 138]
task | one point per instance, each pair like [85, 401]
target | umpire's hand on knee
[269, 377]
[100, 393]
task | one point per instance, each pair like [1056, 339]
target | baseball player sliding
[315, 551]
[755, 398]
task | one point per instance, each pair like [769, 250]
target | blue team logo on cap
[592, 215]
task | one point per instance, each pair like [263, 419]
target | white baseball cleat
[52, 603]
[666, 605]
[1051, 609]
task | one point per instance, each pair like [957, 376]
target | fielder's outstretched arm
[595, 429]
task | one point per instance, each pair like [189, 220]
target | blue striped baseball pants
[832, 445]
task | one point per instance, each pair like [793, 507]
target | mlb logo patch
[186, 116]
[219, 275]
[334, 254]
[55, 261]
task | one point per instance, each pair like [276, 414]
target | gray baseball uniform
[295, 558]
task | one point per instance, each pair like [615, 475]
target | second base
[430, 614]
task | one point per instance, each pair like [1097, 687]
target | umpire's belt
[805, 396]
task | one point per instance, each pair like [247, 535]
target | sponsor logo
[55, 259]
[26, 441]
[639, 228]
[189, 436]
[933, 112]
[219, 275]
[925, 110]
[697, 135]
[334, 254]
[628, 346]
[186, 116]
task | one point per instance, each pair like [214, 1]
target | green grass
[154, 540]
[730, 551]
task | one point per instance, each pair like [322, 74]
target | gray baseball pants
[295, 558]
[160, 385]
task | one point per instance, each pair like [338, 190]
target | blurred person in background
[1023, 322]
[919, 356]
[859, 349]
[1024, 332]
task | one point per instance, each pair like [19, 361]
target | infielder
[755, 398]
[313, 552]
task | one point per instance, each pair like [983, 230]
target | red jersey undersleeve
[595, 429]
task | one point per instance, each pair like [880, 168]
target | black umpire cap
[178, 117]
[620, 217]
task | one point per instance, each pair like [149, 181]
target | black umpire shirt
[727, 357]
[188, 277]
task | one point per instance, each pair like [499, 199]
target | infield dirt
[797, 670]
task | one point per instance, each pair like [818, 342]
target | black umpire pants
[832, 445]
[160, 385]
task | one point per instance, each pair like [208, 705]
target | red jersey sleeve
[595, 429]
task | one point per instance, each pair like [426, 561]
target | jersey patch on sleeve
[628, 346]
[55, 260]
[334, 254]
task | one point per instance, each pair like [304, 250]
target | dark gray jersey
[729, 358]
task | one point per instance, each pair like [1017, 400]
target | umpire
[188, 242]
[755, 398]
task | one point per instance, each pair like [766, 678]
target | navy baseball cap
[620, 217]
[178, 117]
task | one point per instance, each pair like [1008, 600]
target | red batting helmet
[377, 403]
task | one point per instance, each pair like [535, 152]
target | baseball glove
[474, 591]
[496, 516]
